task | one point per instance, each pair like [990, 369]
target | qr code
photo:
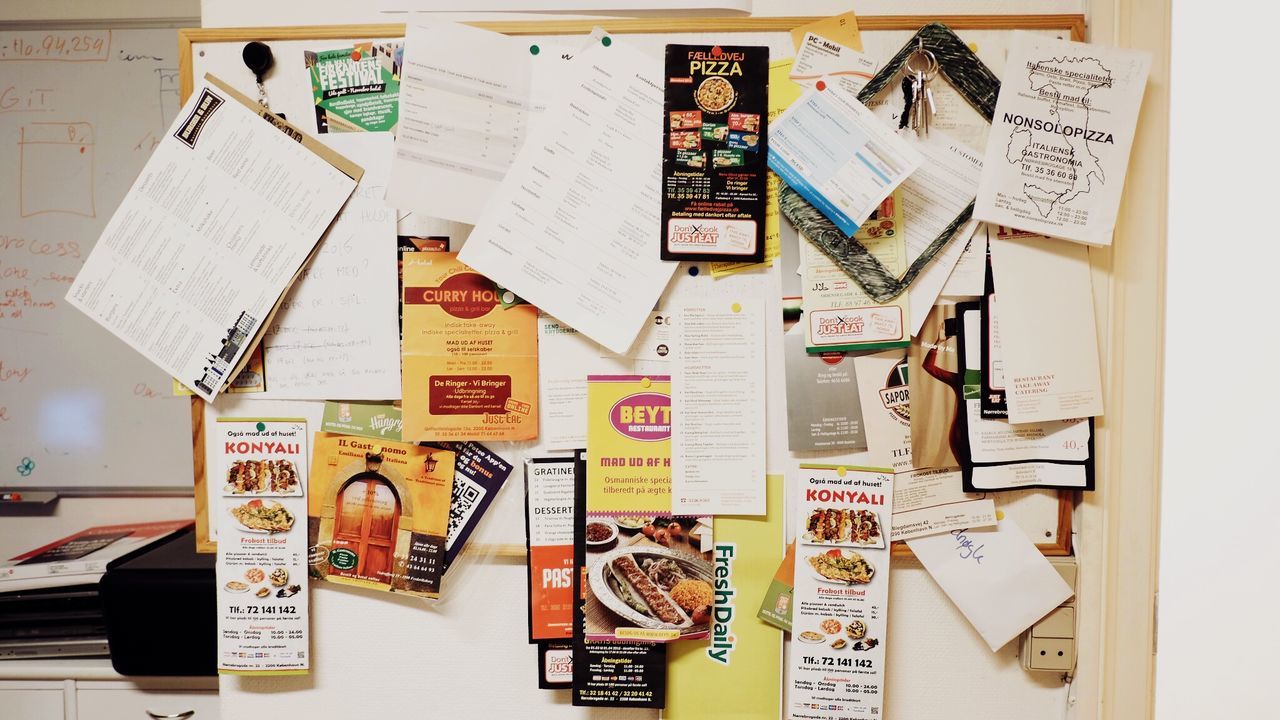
[466, 494]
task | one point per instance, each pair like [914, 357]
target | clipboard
[973, 81]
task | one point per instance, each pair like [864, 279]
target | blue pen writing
[968, 551]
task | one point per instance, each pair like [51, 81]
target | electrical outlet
[1057, 654]
[1050, 644]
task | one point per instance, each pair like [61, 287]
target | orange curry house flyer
[470, 356]
[378, 513]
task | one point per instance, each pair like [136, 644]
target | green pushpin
[262, 426]
[534, 49]
[606, 41]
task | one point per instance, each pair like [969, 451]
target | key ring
[920, 54]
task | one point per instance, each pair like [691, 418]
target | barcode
[462, 503]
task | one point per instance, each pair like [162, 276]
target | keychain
[919, 69]
[257, 57]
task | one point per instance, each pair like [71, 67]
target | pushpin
[257, 57]
[646, 382]
[841, 471]
[736, 307]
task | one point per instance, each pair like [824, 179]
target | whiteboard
[80, 111]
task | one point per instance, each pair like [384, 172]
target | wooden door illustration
[368, 515]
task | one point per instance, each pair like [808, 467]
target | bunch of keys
[920, 68]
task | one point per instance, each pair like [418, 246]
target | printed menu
[263, 615]
[649, 574]
[356, 88]
[470, 363]
[378, 514]
[840, 606]
[714, 159]
[549, 523]
[607, 673]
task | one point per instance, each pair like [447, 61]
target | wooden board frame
[189, 37]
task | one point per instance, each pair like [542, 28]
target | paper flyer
[735, 674]
[1060, 139]
[823, 412]
[378, 514]
[608, 673]
[263, 608]
[714, 159]
[840, 605]
[549, 522]
[377, 420]
[479, 474]
[886, 408]
[470, 365]
[838, 314]
[775, 609]
[649, 574]
[356, 88]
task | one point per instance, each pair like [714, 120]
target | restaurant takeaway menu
[479, 474]
[218, 225]
[608, 673]
[263, 615]
[470, 363]
[840, 605]
[549, 513]
[378, 514]
[715, 157]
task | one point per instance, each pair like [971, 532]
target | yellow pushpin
[999, 515]
[646, 382]
[377, 449]
[736, 307]
[841, 471]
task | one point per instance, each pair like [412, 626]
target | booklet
[378, 514]
[263, 603]
[552, 234]
[823, 412]
[1001, 455]
[839, 314]
[470, 363]
[1060, 139]
[194, 263]
[649, 574]
[839, 156]
[714, 158]
[549, 527]
[356, 88]
[841, 597]
[83, 556]
[608, 673]
[736, 673]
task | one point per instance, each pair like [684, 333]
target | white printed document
[820, 58]
[718, 398]
[467, 98]
[1048, 339]
[1059, 143]
[336, 335]
[929, 502]
[995, 576]
[572, 227]
[214, 230]
[839, 156]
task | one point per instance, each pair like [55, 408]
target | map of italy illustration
[1059, 151]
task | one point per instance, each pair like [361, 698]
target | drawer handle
[174, 716]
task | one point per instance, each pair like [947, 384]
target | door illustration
[367, 517]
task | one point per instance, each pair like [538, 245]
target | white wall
[1217, 624]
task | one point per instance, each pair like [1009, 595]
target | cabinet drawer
[31, 704]
[137, 704]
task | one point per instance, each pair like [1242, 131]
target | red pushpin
[716, 51]
[821, 85]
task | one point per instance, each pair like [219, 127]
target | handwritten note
[995, 576]
[336, 335]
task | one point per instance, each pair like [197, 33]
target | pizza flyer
[263, 617]
[839, 609]
[356, 88]
[650, 575]
[378, 514]
[608, 673]
[470, 365]
[549, 514]
[715, 154]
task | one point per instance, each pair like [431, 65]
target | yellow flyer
[735, 674]
[782, 92]
[470, 362]
[629, 444]
[378, 513]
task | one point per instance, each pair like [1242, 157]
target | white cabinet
[31, 704]
[113, 704]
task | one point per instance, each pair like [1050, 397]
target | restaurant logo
[722, 639]
[467, 296]
[342, 559]
[642, 416]
[694, 234]
[836, 326]
[896, 394]
[189, 132]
